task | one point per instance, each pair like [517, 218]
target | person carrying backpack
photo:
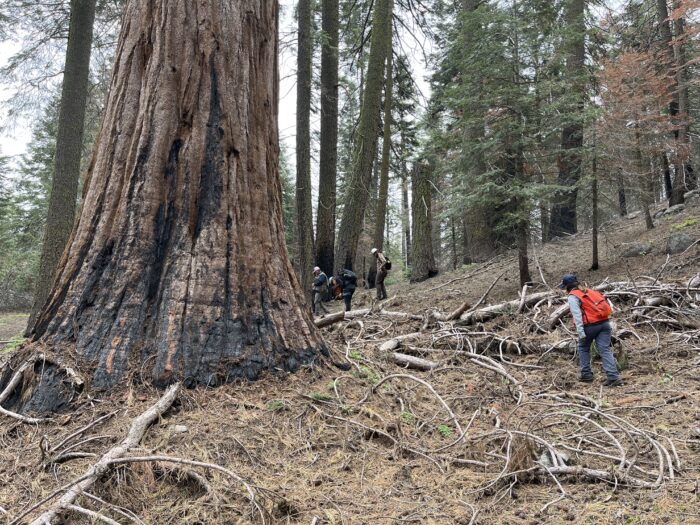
[319, 289]
[591, 313]
[383, 266]
[348, 283]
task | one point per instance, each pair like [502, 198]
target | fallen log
[410, 361]
[393, 344]
[329, 319]
[490, 312]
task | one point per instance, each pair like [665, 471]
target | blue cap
[568, 280]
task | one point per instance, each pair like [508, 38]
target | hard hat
[374, 250]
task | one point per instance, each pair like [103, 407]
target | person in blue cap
[591, 312]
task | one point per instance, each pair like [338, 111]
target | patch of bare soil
[476, 419]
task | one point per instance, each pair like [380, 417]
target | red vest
[594, 307]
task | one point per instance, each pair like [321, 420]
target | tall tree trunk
[69, 143]
[646, 183]
[423, 263]
[621, 193]
[563, 219]
[668, 182]
[594, 204]
[177, 266]
[304, 215]
[667, 52]
[366, 139]
[383, 195]
[405, 217]
[683, 149]
[325, 216]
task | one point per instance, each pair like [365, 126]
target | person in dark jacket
[591, 311]
[319, 289]
[347, 280]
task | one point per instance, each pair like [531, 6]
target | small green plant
[330, 386]
[318, 396]
[445, 431]
[355, 355]
[368, 373]
[666, 379]
[407, 418]
[685, 224]
[276, 405]
[14, 344]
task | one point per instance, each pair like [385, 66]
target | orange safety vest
[594, 306]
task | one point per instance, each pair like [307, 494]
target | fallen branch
[97, 470]
[410, 361]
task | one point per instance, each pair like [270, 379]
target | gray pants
[318, 304]
[601, 334]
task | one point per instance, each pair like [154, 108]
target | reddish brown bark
[177, 265]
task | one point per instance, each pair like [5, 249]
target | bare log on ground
[97, 470]
[410, 361]
[490, 312]
[393, 344]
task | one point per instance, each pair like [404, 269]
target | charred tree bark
[365, 146]
[177, 266]
[423, 264]
[326, 214]
[69, 143]
[304, 215]
[563, 221]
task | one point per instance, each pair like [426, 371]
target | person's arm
[575, 308]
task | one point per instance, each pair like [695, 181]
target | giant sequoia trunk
[327, 182]
[423, 260]
[69, 144]
[563, 219]
[177, 267]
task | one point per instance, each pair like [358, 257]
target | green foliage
[354, 354]
[276, 405]
[318, 396]
[24, 193]
[408, 418]
[365, 372]
[14, 344]
[444, 430]
[665, 379]
[685, 224]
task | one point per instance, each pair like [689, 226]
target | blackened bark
[668, 182]
[423, 262]
[326, 214]
[177, 267]
[563, 219]
[69, 143]
[304, 215]
[365, 146]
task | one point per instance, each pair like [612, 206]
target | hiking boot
[585, 379]
[613, 382]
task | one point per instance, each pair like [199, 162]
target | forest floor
[508, 438]
[12, 325]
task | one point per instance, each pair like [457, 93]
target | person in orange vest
[591, 313]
